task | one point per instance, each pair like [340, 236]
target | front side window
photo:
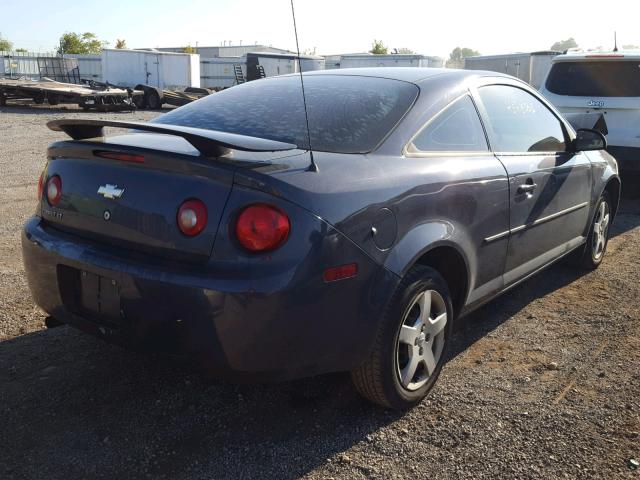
[456, 129]
[520, 122]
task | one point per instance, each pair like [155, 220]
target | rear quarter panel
[447, 200]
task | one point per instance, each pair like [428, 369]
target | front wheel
[598, 237]
[410, 347]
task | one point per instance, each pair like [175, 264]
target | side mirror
[587, 139]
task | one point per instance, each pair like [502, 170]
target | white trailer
[391, 60]
[530, 67]
[163, 70]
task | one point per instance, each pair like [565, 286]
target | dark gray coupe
[213, 233]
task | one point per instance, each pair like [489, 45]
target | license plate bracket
[100, 295]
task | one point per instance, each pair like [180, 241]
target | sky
[327, 26]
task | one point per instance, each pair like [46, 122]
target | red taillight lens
[54, 190]
[123, 157]
[40, 185]
[262, 227]
[192, 217]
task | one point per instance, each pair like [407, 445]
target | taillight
[40, 185]
[123, 157]
[54, 190]
[262, 227]
[192, 217]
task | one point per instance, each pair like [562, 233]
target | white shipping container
[332, 62]
[540, 66]
[391, 60]
[89, 66]
[530, 67]
[274, 66]
[279, 64]
[219, 72]
[164, 70]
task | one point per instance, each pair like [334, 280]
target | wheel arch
[441, 253]
[613, 187]
[450, 262]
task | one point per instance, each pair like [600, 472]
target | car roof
[407, 74]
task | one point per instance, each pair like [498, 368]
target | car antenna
[313, 167]
[615, 41]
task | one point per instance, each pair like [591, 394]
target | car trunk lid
[133, 203]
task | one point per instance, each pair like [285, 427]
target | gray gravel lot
[542, 383]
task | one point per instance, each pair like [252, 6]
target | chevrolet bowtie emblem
[110, 192]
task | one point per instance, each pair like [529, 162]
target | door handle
[526, 188]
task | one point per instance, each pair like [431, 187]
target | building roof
[288, 56]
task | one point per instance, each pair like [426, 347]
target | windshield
[595, 79]
[347, 114]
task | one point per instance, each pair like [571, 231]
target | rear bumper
[628, 158]
[235, 321]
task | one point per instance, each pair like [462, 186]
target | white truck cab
[606, 83]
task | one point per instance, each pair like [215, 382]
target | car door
[474, 199]
[549, 186]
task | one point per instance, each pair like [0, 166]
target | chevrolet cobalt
[227, 232]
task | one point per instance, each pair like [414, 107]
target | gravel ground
[541, 383]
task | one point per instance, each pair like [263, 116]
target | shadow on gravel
[484, 320]
[628, 216]
[74, 407]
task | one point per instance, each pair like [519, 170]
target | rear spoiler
[209, 143]
[592, 121]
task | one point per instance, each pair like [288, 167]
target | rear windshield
[595, 79]
[347, 114]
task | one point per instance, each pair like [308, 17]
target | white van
[607, 83]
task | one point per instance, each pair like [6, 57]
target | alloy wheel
[600, 231]
[421, 339]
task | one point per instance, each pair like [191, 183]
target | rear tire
[152, 100]
[596, 246]
[411, 343]
[52, 322]
[139, 101]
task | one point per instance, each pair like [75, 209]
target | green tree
[189, 49]
[457, 56]
[86, 43]
[21, 50]
[403, 50]
[5, 45]
[121, 44]
[378, 48]
[562, 45]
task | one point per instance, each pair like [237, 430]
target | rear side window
[520, 122]
[456, 129]
[609, 78]
[347, 114]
